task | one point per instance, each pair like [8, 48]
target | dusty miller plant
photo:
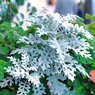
[47, 55]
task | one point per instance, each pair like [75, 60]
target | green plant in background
[9, 36]
[92, 24]
[9, 9]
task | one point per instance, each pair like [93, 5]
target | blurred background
[19, 10]
[87, 6]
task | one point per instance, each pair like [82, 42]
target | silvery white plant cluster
[47, 55]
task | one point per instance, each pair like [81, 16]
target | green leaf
[93, 65]
[14, 9]
[5, 26]
[92, 26]
[6, 92]
[1, 68]
[21, 23]
[88, 16]
[4, 50]
[1, 75]
[2, 62]
[20, 2]
[93, 17]
[33, 10]
[44, 37]
[32, 29]
[9, 0]
[0, 1]
[2, 65]
[79, 88]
